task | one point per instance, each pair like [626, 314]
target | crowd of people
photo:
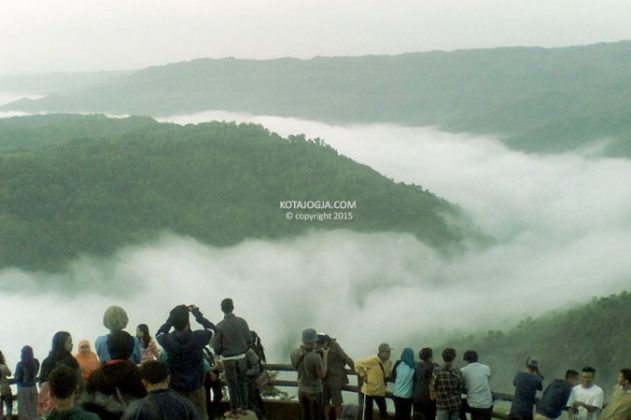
[178, 374]
[431, 391]
[174, 376]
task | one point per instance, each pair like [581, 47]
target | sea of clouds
[560, 224]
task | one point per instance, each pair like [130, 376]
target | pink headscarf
[88, 362]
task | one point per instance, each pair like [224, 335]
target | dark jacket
[422, 377]
[233, 336]
[117, 376]
[161, 405]
[554, 398]
[185, 353]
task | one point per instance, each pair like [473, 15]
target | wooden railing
[497, 396]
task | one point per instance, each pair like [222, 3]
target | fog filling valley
[560, 224]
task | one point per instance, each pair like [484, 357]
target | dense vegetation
[594, 334]
[75, 184]
[535, 99]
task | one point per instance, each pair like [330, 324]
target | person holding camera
[336, 376]
[311, 364]
[185, 353]
[527, 383]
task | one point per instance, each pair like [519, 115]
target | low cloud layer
[560, 223]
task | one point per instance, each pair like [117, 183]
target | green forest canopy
[75, 184]
[534, 99]
[594, 334]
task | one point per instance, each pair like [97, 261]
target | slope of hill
[594, 334]
[75, 184]
[535, 99]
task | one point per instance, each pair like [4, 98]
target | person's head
[26, 354]
[62, 342]
[384, 351]
[470, 356]
[309, 338]
[227, 306]
[407, 357]
[84, 347]
[115, 318]
[624, 378]
[154, 375]
[120, 345]
[571, 376]
[142, 332]
[63, 382]
[426, 354]
[587, 376]
[532, 364]
[179, 317]
[449, 354]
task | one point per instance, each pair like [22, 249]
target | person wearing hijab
[403, 378]
[59, 356]
[25, 377]
[88, 362]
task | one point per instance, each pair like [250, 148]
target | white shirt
[476, 380]
[593, 395]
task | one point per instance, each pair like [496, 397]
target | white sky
[71, 35]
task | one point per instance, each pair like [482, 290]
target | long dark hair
[29, 364]
[146, 338]
[257, 346]
[2, 361]
[59, 345]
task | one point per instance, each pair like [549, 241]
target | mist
[560, 224]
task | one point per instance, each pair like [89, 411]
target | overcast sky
[70, 35]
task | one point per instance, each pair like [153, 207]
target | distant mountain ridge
[74, 185]
[534, 99]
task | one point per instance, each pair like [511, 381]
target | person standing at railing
[476, 381]
[586, 399]
[312, 368]
[403, 378]
[423, 404]
[374, 371]
[336, 376]
[619, 407]
[527, 383]
[231, 342]
[446, 387]
[555, 397]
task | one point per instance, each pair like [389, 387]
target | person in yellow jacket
[374, 371]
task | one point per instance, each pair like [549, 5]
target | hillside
[76, 184]
[594, 334]
[534, 99]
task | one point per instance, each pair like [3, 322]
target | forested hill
[535, 99]
[75, 184]
[594, 334]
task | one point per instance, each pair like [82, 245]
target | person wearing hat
[115, 319]
[527, 383]
[312, 368]
[374, 371]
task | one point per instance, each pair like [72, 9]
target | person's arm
[163, 331]
[209, 327]
[136, 356]
[432, 386]
[153, 347]
[361, 367]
